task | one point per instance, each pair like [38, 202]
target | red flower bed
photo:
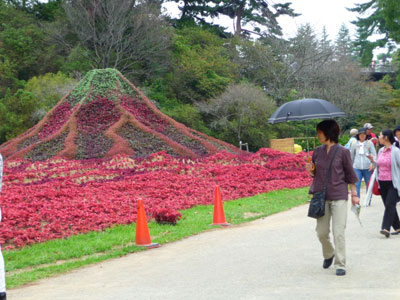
[97, 116]
[58, 198]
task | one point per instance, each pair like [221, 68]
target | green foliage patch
[98, 83]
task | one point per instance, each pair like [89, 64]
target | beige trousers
[337, 211]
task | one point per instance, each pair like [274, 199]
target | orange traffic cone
[142, 230]
[219, 215]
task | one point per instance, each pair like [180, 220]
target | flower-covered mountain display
[106, 115]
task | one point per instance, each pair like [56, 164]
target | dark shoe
[3, 296]
[397, 231]
[327, 262]
[385, 232]
[340, 272]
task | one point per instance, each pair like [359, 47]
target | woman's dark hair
[389, 134]
[330, 129]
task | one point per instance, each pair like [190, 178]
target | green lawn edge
[54, 257]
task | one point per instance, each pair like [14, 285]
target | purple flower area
[92, 145]
[27, 142]
[143, 143]
[93, 119]
[219, 146]
[48, 149]
[195, 145]
[146, 116]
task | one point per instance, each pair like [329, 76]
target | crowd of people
[356, 161]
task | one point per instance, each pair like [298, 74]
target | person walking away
[2, 271]
[396, 133]
[342, 174]
[370, 135]
[363, 156]
[352, 139]
[388, 174]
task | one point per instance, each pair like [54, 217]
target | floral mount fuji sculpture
[106, 115]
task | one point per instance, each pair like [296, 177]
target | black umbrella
[305, 109]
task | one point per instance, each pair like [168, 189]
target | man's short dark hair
[330, 129]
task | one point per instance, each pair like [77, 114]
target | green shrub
[202, 67]
[49, 88]
[189, 115]
[15, 114]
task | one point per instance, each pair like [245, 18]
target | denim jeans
[366, 174]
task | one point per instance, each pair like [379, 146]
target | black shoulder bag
[317, 204]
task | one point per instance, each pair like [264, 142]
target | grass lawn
[57, 256]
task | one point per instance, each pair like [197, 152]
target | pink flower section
[143, 113]
[56, 120]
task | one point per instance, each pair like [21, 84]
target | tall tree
[260, 14]
[363, 48]
[195, 9]
[127, 35]
[325, 43]
[382, 18]
[344, 45]
[391, 13]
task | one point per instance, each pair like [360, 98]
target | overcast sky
[319, 13]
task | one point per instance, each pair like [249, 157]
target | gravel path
[278, 257]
